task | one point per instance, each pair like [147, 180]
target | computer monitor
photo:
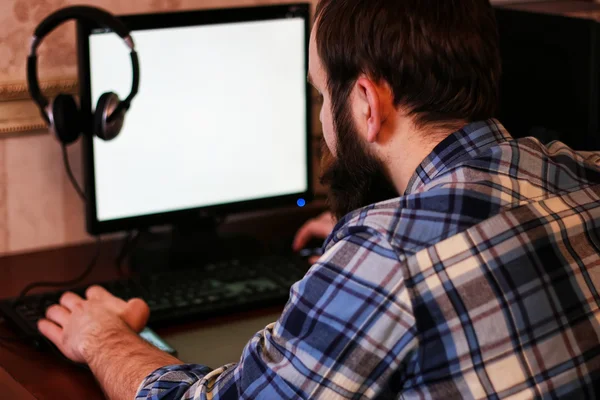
[221, 123]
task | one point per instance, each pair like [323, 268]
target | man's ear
[371, 107]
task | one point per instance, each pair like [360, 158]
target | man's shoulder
[478, 187]
[410, 223]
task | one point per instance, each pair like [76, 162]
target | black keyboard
[182, 294]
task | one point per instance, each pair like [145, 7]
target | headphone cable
[67, 164]
[93, 261]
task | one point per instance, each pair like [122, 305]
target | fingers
[55, 334]
[313, 260]
[136, 314]
[326, 216]
[302, 237]
[57, 314]
[115, 304]
[51, 331]
[96, 292]
[312, 229]
[71, 301]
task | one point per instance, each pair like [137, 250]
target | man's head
[396, 77]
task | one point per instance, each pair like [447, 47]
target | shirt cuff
[171, 379]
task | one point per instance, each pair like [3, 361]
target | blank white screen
[220, 117]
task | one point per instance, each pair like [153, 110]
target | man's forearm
[120, 361]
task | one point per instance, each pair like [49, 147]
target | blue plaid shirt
[480, 282]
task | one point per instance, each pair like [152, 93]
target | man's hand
[102, 332]
[78, 327]
[319, 228]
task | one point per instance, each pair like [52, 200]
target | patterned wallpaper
[18, 19]
[38, 207]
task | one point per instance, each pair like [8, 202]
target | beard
[354, 178]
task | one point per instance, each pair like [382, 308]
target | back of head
[440, 58]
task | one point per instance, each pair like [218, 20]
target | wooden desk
[212, 342]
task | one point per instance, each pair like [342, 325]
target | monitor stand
[188, 245]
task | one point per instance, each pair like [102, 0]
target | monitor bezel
[183, 19]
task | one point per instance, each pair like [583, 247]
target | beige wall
[38, 207]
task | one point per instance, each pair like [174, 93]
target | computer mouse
[314, 248]
[310, 252]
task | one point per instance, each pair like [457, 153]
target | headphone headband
[90, 14]
[94, 14]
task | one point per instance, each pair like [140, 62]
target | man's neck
[409, 146]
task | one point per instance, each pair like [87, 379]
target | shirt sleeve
[588, 157]
[591, 157]
[346, 328]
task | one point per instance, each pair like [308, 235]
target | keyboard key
[159, 307]
[181, 303]
[212, 299]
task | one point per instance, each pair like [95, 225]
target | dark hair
[440, 58]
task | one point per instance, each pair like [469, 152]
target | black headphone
[62, 113]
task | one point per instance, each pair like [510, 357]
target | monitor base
[190, 245]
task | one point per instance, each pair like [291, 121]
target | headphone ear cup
[66, 119]
[106, 105]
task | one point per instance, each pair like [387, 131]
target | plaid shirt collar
[473, 139]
